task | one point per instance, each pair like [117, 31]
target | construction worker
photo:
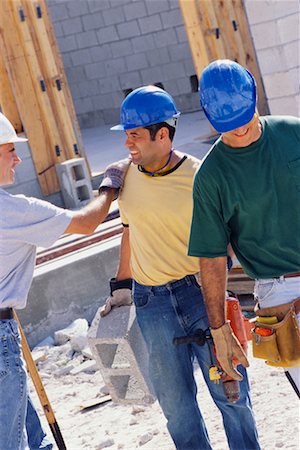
[26, 223]
[247, 193]
[156, 208]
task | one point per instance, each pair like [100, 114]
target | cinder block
[157, 7]
[135, 10]
[67, 43]
[150, 24]
[181, 33]
[75, 182]
[93, 21]
[72, 26]
[95, 5]
[107, 34]
[77, 8]
[136, 61]
[95, 71]
[121, 48]
[287, 105]
[143, 43]
[81, 57]
[289, 28]
[260, 12]
[87, 39]
[119, 349]
[157, 56]
[265, 40]
[271, 60]
[292, 54]
[115, 66]
[180, 52]
[152, 75]
[128, 29]
[112, 16]
[165, 38]
[281, 84]
[130, 80]
[101, 52]
[172, 19]
[172, 71]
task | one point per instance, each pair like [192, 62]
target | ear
[163, 133]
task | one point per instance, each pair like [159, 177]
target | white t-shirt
[25, 224]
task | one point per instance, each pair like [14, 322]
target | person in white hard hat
[26, 223]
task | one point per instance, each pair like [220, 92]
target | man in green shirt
[247, 193]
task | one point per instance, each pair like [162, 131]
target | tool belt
[277, 343]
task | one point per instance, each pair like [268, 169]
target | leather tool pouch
[282, 347]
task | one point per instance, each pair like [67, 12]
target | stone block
[172, 19]
[121, 48]
[130, 80]
[75, 74]
[282, 84]
[72, 26]
[115, 66]
[87, 39]
[112, 16]
[150, 24]
[179, 52]
[77, 8]
[128, 29]
[143, 43]
[75, 182]
[95, 71]
[285, 106]
[121, 354]
[157, 6]
[135, 10]
[93, 21]
[57, 12]
[107, 34]
[260, 12]
[289, 28]
[172, 71]
[181, 34]
[165, 38]
[96, 5]
[83, 105]
[81, 57]
[67, 43]
[100, 53]
[286, 7]
[263, 39]
[158, 56]
[110, 84]
[271, 60]
[88, 88]
[136, 61]
[292, 54]
[152, 75]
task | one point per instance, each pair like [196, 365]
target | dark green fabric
[251, 197]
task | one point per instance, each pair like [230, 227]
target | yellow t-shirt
[158, 211]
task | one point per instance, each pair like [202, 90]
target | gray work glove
[228, 348]
[114, 175]
[120, 295]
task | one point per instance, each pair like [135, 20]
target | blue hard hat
[227, 95]
[145, 106]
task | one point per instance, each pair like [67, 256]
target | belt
[292, 275]
[6, 314]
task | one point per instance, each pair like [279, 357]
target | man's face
[8, 161]
[243, 136]
[143, 150]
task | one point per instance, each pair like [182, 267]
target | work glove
[114, 175]
[120, 295]
[228, 348]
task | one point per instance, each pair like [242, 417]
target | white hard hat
[7, 132]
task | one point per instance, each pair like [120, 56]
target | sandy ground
[128, 427]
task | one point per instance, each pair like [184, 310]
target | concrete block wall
[275, 28]
[111, 46]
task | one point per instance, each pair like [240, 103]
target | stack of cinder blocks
[75, 183]
[120, 351]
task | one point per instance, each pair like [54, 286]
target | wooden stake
[32, 369]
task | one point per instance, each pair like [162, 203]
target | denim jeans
[274, 292]
[20, 427]
[177, 309]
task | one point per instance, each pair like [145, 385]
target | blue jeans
[20, 427]
[177, 309]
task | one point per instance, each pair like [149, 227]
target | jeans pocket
[4, 359]
[264, 290]
[141, 299]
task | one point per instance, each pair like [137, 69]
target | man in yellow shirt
[156, 210]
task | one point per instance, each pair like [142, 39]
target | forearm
[88, 218]
[124, 271]
[213, 281]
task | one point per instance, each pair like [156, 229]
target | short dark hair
[153, 129]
